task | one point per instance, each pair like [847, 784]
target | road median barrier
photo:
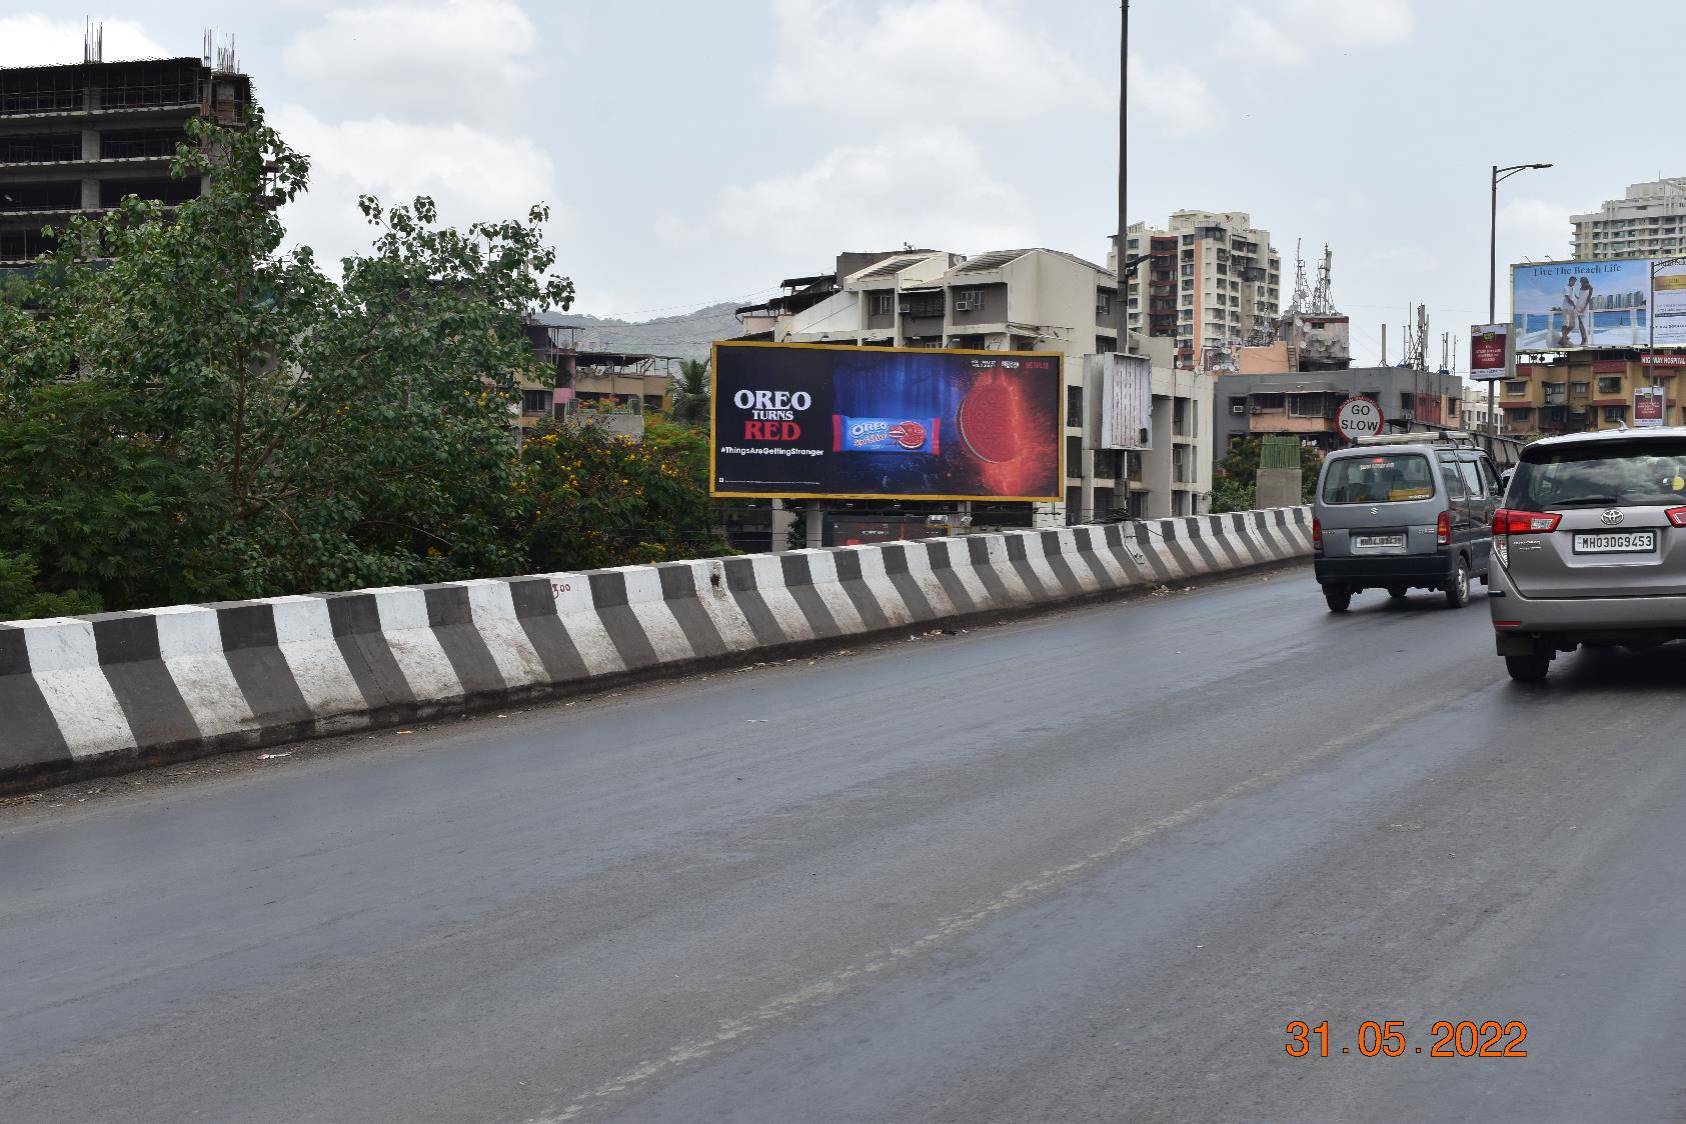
[81, 696]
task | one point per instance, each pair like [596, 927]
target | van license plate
[1378, 542]
[1617, 542]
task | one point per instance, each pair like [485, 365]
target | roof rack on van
[1458, 438]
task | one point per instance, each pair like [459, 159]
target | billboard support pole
[1493, 269]
[815, 524]
[1651, 330]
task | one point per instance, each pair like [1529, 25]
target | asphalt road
[1083, 867]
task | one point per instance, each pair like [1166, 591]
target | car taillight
[1677, 516]
[1443, 528]
[1317, 530]
[1509, 522]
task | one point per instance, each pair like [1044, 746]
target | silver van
[1402, 512]
[1591, 547]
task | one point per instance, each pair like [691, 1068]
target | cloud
[472, 175]
[1173, 95]
[436, 58]
[1293, 32]
[948, 59]
[1342, 23]
[32, 39]
[1255, 36]
[1533, 229]
[928, 187]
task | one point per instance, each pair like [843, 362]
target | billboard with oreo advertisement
[842, 422]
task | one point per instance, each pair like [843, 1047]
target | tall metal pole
[1122, 249]
[1492, 297]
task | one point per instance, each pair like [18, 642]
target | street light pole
[1122, 346]
[1493, 275]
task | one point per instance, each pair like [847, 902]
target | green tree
[691, 394]
[96, 503]
[595, 499]
[23, 598]
[334, 435]
[1235, 483]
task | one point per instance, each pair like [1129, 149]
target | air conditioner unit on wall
[1238, 409]
[905, 306]
[965, 306]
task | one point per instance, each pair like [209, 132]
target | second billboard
[1568, 306]
[883, 423]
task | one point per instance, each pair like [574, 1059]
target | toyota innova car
[1403, 512]
[1590, 546]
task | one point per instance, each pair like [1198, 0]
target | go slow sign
[1358, 417]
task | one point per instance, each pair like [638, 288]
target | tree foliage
[691, 394]
[1235, 483]
[187, 411]
[595, 499]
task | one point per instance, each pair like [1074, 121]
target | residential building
[1475, 403]
[1303, 404]
[1584, 390]
[608, 389]
[1648, 222]
[1213, 283]
[1030, 300]
[77, 138]
[762, 321]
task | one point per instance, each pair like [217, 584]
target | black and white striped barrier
[92, 694]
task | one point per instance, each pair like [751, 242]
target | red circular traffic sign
[1358, 417]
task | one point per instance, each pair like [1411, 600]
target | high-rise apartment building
[77, 138]
[1213, 284]
[1649, 222]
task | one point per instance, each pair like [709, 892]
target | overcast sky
[699, 152]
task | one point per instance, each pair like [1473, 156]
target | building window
[1578, 388]
[1103, 303]
[1516, 389]
[1267, 401]
[1309, 406]
[1521, 415]
[922, 304]
[536, 401]
[1615, 413]
[883, 304]
[1074, 405]
[968, 300]
[1610, 384]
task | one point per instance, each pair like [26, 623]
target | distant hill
[687, 336]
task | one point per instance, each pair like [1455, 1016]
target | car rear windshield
[1378, 478]
[1644, 473]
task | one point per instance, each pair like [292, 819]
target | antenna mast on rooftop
[1322, 300]
[1302, 294]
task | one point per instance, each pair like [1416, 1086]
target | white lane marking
[949, 928]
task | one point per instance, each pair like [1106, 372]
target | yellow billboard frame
[714, 436]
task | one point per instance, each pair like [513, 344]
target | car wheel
[1528, 669]
[1457, 590]
[1338, 599]
[1397, 592]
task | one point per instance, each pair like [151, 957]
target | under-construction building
[75, 139]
